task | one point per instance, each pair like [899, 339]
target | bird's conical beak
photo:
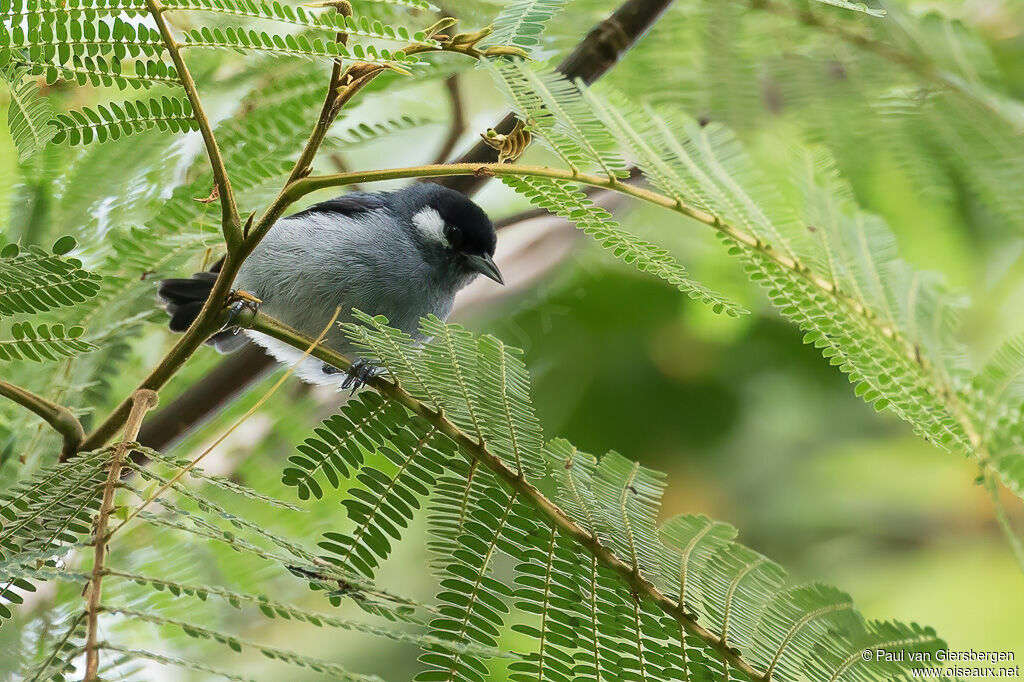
[485, 266]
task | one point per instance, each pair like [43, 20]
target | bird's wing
[350, 204]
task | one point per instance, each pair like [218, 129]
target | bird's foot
[358, 374]
[238, 301]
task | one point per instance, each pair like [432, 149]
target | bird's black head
[448, 226]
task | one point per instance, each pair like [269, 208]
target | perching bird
[402, 254]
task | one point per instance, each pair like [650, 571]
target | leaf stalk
[143, 400]
[476, 451]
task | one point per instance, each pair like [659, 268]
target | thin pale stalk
[1003, 519]
[142, 401]
[231, 224]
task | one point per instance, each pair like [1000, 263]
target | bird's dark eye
[453, 236]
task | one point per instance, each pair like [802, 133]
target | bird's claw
[358, 375]
[237, 302]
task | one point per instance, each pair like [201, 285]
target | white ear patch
[430, 224]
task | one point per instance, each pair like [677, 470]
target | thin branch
[602, 49]
[307, 185]
[458, 124]
[593, 56]
[1003, 519]
[477, 452]
[977, 93]
[142, 401]
[57, 416]
[230, 222]
[330, 109]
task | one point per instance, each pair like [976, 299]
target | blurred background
[752, 427]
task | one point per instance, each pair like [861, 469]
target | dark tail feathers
[185, 298]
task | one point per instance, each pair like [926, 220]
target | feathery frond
[42, 343]
[243, 40]
[28, 114]
[33, 281]
[362, 26]
[111, 121]
[521, 22]
[551, 107]
[588, 622]
[570, 203]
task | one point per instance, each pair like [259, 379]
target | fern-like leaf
[33, 281]
[28, 114]
[42, 343]
[364, 27]
[521, 22]
[552, 108]
[245, 40]
[569, 202]
[386, 501]
[588, 622]
[111, 121]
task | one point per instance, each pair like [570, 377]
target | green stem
[476, 451]
[230, 221]
[57, 416]
[304, 186]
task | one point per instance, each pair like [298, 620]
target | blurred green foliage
[752, 426]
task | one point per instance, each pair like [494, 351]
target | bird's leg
[359, 373]
[238, 301]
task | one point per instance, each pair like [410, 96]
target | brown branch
[602, 49]
[458, 123]
[57, 416]
[230, 222]
[142, 401]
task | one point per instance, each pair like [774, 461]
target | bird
[403, 254]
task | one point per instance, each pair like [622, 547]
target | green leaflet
[585, 622]
[326, 19]
[553, 109]
[41, 343]
[33, 281]
[28, 114]
[116, 119]
[64, 37]
[364, 133]
[569, 202]
[290, 45]
[521, 22]
[827, 265]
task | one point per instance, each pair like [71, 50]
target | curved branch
[477, 452]
[231, 224]
[603, 47]
[458, 123]
[57, 416]
[592, 57]
[305, 186]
